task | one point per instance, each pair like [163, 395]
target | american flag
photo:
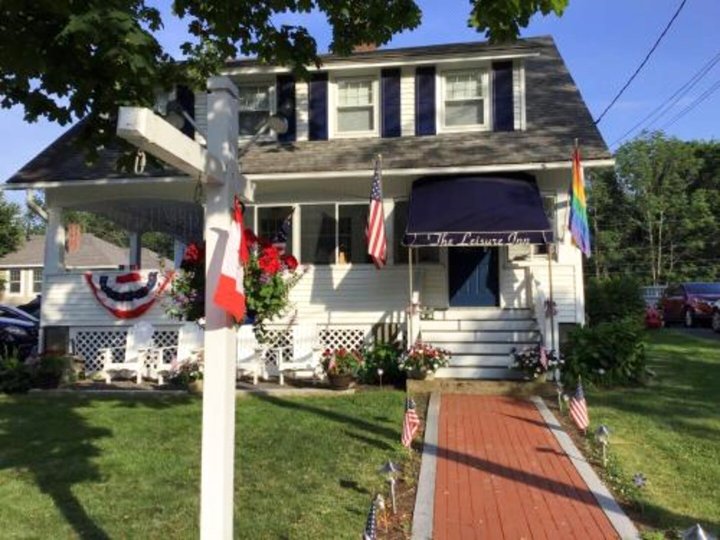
[411, 423]
[578, 408]
[280, 239]
[371, 524]
[375, 231]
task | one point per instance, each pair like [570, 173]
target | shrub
[342, 361]
[531, 362]
[14, 376]
[50, 370]
[607, 353]
[612, 299]
[383, 356]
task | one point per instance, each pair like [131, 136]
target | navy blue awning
[476, 211]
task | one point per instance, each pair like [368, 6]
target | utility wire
[702, 97]
[662, 109]
[642, 64]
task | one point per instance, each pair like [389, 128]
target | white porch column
[218, 433]
[54, 242]
[135, 258]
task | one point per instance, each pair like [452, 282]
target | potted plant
[188, 374]
[341, 366]
[535, 361]
[422, 360]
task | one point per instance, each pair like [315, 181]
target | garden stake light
[380, 372]
[696, 532]
[390, 471]
[602, 436]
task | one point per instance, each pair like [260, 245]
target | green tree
[82, 59]
[11, 229]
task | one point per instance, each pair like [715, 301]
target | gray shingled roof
[93, 253]
[556, 115]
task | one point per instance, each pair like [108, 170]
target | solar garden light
[380, 372]
[390, 471]
[559, 390]
[602, 436]
[696, 532]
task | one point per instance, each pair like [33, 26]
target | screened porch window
[424, 254]
[464, 98]
[356, 105]
[14, 281]
[317, 228]
[270, 225]
[352, 245]
[254, 107]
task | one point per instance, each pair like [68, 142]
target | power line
[681, 92]
[702, 97]
[642, 64]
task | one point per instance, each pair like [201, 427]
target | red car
[689, 302]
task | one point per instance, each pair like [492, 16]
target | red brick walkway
[502, 474]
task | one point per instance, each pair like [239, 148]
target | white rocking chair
[138, 346]
[189, 348]
[305, 354]
[250, 354]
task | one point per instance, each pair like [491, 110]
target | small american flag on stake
[578, 408]
[375, 231]
[411, 423]
[280, 239]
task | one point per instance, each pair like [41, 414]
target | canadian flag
[230, 294]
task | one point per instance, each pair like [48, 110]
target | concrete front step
[478, 324]
[481, 360]
[481, 336]
[460, 314]
[480, 347]
[474, 372]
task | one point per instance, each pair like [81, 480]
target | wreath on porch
[270, 274]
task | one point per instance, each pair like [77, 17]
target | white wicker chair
[189, 347]
[305, 354]
[250, 354]
[137, 350]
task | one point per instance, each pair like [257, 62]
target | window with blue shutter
[318, 107]
[286, 105]
[503, 106]
[425, 101]
[390, 107]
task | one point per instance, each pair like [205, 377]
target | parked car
[689, 302]
[716, 317]
[18, 331]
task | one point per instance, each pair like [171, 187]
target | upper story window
[15, 281]
[356, 106]
[464, 101]
[255, 104]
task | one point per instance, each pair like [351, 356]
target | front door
[473, 276]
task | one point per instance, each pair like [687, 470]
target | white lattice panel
[87, 342]
[349, 338]
[276, 338]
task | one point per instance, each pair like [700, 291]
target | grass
[93, 467]
[670, 432]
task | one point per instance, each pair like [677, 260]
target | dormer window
[464, 103]
[356, 106]
[255, 104]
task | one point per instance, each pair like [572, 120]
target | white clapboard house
[476, 143]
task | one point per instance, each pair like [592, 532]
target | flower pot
[421, 375]
[341, 382]
[195, 387]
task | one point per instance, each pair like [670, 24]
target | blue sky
[601, 41]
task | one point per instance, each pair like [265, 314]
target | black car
[18, 332]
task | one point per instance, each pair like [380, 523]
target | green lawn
[93, 467]
[670, 431]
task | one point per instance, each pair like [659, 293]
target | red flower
[193, 254]
[290, 261]
[249, 237]
[269, 264]
[270, 251]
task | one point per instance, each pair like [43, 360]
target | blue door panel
[473, 277]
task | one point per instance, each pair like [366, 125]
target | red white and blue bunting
[130, 295]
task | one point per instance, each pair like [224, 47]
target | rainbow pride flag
[579, 228]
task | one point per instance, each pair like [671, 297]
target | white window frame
[533, 254]
[272, 102]
[20, 281]
[440, 86]
[34, 280]
[334, 103]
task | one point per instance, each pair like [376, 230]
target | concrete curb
[619, 520]
[422, 526]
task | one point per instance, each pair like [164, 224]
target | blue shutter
[286, 105]
[318, 105]
[186, 99]
[390, 108]
[425, 101]
[503, 106]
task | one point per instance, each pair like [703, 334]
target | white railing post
[218, 432]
